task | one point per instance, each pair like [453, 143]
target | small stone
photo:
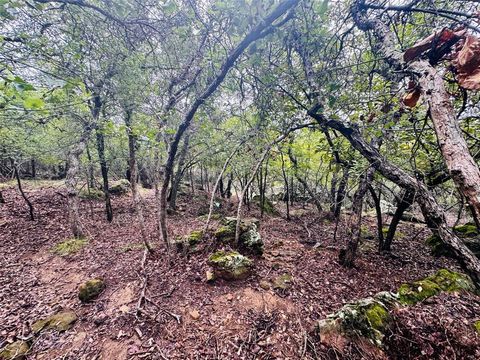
[230, 265]
[283, 282]
[194, 314]
[264, 284]
[15, 351]
[210, 276]
[91, 290]
[229, 297]
[124, 309]
[61, 321]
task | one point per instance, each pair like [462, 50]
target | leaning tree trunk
[458, 159]
[132, 164]
[347, 257]
[178, 176]
[73, 159]
[432, 212]
[404, 203]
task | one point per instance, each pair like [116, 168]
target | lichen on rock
[90, 290]
[61, 321]
[119, 187]
[367, 318]
[230, 265]
[15, 351]
[250, 239]
[189, 242]
[442, 280]
[476, 326]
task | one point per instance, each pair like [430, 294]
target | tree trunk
[340, 196]
[287, 189]
[104, 171]
[19, 184]
[34, 168]
[333, 190]
[71, 182]
[178, 176]
[347, 256]
[91, 178]
[404, 203]
[132, 165]
[378, 211]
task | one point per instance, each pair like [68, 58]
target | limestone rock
[61, 321]
[268, 206]
[189, 242]
[250, 239]
[91, 290]
[366, 318]
[442, 280]
[15, 351]
[120, 187]
[230, 265]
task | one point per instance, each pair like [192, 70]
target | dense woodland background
[316, 152]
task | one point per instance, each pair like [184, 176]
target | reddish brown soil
[237, 320]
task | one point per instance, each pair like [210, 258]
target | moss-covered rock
[189, 242]
[70, 246]
[250, 239]
[120, 187]
[15, 351]
[467, 232]
[476, 326]
[91, 194]
[268, 206]
[61, 321]
[442, 280]
[90, 290]
[367, 318]
[230, 265]
[283, 282]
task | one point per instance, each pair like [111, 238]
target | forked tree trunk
[132, 165]
[73, 159]
[404, 203]
[347, 257]
[378, 211]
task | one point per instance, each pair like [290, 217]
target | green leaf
[33, 103]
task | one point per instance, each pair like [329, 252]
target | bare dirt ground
[222, 320]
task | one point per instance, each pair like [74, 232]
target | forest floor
[220, 320]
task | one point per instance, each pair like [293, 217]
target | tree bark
[340, 196]
[347, 256]
[104, 171]
[178, 176]
[287, 189]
